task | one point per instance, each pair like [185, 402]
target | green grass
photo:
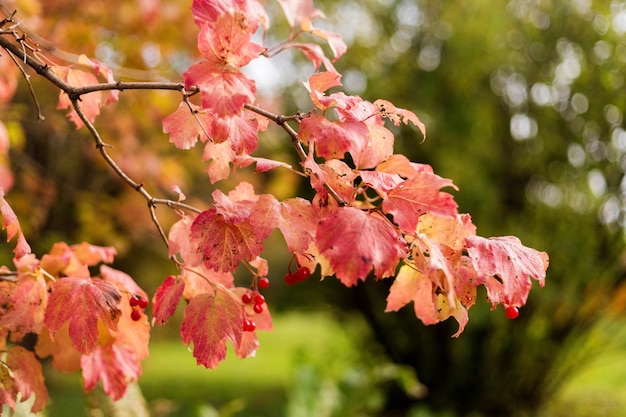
[261, 386]
[173, 382]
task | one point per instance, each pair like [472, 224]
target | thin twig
[295, 140]
[26, 76]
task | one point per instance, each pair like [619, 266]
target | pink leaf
[180, 243]
[223, 242]
[223, 91]
[90, 103]
[398, 115]
[416, 196]
[228, 42]
[166, 299]
[184, 128]
[12, 226]
[82, 302]
[507, 266]
[354, 241]
[28, 376]
[297, 224]
[334, 139]
[210, 320]
[23, 311]
[115, 365]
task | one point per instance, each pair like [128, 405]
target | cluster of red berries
[257, 300]
[138, 304]
[299, 275]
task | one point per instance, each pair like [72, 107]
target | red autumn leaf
[355, 241]
[318, 84]
[378, 149]
[223, 91]
[242, 133]
[207, 12]
[334, 40]
[382, 182]
[298, 10]
[166, 299]
[184, 129]
[179, 243]
[297, 223]
[416, 196]
[8, 388]
[65, 357]
[224, 242]
[28, 376]
[12, 226]
[220, 155]
[23, 311]
[82, 302]
[113, 364]
[210, 320]
[398, 115]
[228, 41]
[507, 267]
[90, 103]
[91, 255]
[334, 139]
[313, 53]
[116, 360]
[412, 285]
[124, 282]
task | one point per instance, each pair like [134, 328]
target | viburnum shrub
[374, 214]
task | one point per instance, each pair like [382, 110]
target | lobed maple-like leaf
[334, 139]
[82, 302]
[207, 12]
[398, 115]
[228, 41]
[507, 267]
[112, 364]
[210, 320]
[223, 242]
[23, 311]
[90, 103]
[416, 196]
[12, 225]
[166, 299]
[223, 91]
[8, 387]
[184, 129]
[355, 241]
[28, 376]
[241, 132]
[412, 285]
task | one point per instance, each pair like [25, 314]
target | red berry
[135, 315]
[143, 303]
[302, 273]
[248, 325]
[511, 312]
[134, 301]
[259, 299]
[246, 298]
[258, 308]
[290, 279]
[264, 282]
